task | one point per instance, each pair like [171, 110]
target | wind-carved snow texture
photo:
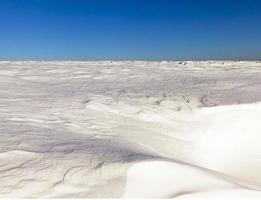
[130, 129]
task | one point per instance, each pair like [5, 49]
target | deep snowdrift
[130, 129]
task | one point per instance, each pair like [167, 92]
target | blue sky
[130, 29]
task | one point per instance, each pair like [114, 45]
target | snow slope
[130, 129]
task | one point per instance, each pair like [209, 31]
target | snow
[130, 129]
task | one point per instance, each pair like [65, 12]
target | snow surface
[130, 129]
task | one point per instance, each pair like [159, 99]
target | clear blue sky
[130, 29]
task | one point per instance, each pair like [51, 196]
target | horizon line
[131, 60]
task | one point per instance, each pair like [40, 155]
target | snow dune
[223, 148]
[130, 129]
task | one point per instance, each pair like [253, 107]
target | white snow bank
[162, 179]
[223, 141]
[230, 142]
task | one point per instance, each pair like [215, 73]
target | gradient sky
[130, 29]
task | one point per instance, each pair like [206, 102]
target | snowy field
[130, 129]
